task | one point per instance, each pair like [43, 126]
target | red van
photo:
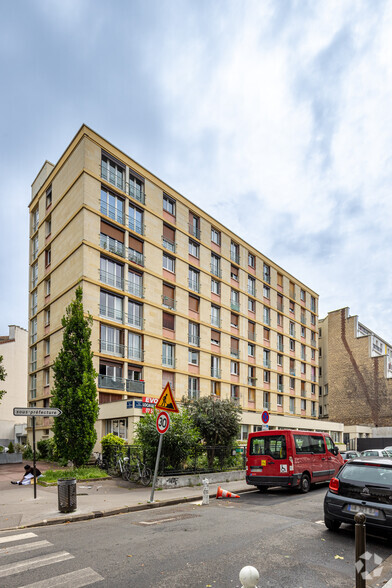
[295, 459]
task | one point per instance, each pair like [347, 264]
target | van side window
[274, 446]
[318, 444]
[303, 444]
[330, 444]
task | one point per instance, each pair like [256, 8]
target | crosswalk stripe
[24, 547]
[17, 537]
[34, 562]
[71, 580]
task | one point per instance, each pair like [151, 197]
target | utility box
[67, 494]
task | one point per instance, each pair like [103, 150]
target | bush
[111, 445]
[28, 452]
[1, 448]
[11, 448]
[19, 448]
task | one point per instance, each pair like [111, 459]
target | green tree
[3, 374]
[179, 440]
[75, 391]
[217, 420]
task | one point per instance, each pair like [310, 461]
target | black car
[363, 484]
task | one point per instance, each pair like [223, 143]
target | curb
[97, 514]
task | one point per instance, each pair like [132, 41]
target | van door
[321, 471]
[335, 462]
[268, 455]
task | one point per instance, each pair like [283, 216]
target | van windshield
[275, 446]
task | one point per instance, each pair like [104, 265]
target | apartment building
[355, 375]
[175, 297]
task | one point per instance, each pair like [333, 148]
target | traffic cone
[225, 494]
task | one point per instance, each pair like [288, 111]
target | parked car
[376, 453]
[388, 449]
[294, 459]
[363, 484]
[346, 455]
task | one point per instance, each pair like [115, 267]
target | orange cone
[225, 494]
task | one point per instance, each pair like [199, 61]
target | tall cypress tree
[75, 390]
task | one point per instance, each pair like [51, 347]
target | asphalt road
[189, 545]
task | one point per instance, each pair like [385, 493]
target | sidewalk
[19, 509]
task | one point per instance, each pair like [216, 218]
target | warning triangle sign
[166, 401]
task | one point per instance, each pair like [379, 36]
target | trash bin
[66, 494]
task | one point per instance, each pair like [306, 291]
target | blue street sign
[129, 403]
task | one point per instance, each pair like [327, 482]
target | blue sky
[275, 117]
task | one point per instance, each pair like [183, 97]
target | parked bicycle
[100, 462]
[120, 467]
[140, 471]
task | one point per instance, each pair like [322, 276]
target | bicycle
[121, 467]
[140, 471]
[100, 462]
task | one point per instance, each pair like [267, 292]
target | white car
[388, 448]
[376, 453]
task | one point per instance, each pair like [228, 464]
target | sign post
[34, 412]
[165, 403]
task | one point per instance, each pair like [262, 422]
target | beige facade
[13, 348]
[355, 373]
[175, 296]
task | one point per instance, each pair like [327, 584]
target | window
[251, 350]
[313, 354]
[251, 305]
[266, 334]
[234, 347]
[47, 317]
[118, 427]
[267, 377]
[169, 263]
[251, 260]
[168, 321]
[194, 225]
[303, 368]
[235, 252]
[303, 404]
[135, 284]
[235, 300]
[266, 399]
[303, 352]
[215, 388]
[34, 302]
[34, 220]
[266, 291]
[234, 393]
[193, 388]
[280, 280]
[279, 320]
[34, 248]
[279, 359]
[135, 251]
[234, 368]
[251, 331]
[291, 306]
[244, 432]
[33, 356]
[169, 205]
[33, 330]
[279, 342]
[234, 273]
[111, 273]
[47, 287]
[168, 238]
[279, 305]
[112, 206]
[135, 314]
[292, 290]
[325, 389]
[303, 388]
[193, 334]
[267, 274]
[215, 367]
[193, 356]
[47, 347]
[194, 279]
[303, 331]
[34, 275]
[167, 354]
[234, 318]
[215, 287]
[33, 386]
[194, 249]
[48, 198]
[292, 383]
[312, 304]
[291, 404]
[215, 315]
[266, 315]
[215, 337]
[251, 286]
[251, 375]
[320, 372]
[216, 265]
[215, 236]
[48, 227]
[303, 295]
[112, 172]
[313, 389]
[135, 219]
[279, 399]
[46, 377]
[48, 257]
[266, 358]
[280, 382]
[292, 345]
[111, 341]
[194, 304]
[313, 373]
[136, 187]
[111, 306]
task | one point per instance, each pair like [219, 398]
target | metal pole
[156, 468]
[34, 456]
[360, 550]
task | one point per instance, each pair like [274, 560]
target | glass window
[168, 263]
[112, 206]
[251, 305]
[167, 354]
[215, 287]
[194, 249]
[251, 260]
[135, 219]
[112, 172]
[266, 291]
[272, 445]
[169, 204]
[215, 315]
[194, 279]
[193, 357]
[251, 349]
[215, 236]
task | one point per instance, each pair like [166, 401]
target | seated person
[28, 476]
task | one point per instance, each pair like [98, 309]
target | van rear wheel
[262, 489]
[304, 484]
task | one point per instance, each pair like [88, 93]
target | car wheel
[304, 484]
[262, 489]
[331, 524]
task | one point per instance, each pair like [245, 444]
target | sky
[273, 116]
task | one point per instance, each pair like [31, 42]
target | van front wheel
[262, 489]
[304, 484]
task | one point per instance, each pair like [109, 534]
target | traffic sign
[265, 416]
[166, 401]
[163, 422]
[36, 411]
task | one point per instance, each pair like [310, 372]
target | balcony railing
[235, 399]
[168, 302]
[195, 231]
[194, 340]
[216, 271]
[135, 353]
[194, 394]
[169, 362]
[135, 225]
[137, 193]
[135, 321]
[136, 386]
[252, 381]
[267, 278]
[251, 291]
[266, 363]
[194, 284]
[112, 245]
[216, 372]
[113, 212]
[111, 313]
[169, 245]
[135, 289]
[135, 256]
[252, 335]
[267, 320]
[266, 404]
[234, 305]
[235, 257]
[215, 322]
[280, 347]
[112, 348]
[112, 176]
[111, 382]
[234, 352]
[111, 279]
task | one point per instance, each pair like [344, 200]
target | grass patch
[83, 473]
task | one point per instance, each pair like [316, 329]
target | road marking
[319, 522]
[198, 502]
[157, 522]
[24, 547]
[17, 537]
[75, 579]
[35, 562]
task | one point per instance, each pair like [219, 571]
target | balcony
[194, 231]
[168, 302]
[194, 340]
[112, 348]
[135, 289]
[235, 399]
[113, 212]
[235, 352]
[216, 373]
[135, 386]
[111, 280]
[111, 313]
[194, 285]
[135, 256]
[252, 381]
[136, 192]
[135, 353]
[194, 394]
[135, 225]
[252, 335]
[135, 321]
[112, 245]
[112, 175]
[111, 382]
[169, 245]
[234, 305]
[216, 271]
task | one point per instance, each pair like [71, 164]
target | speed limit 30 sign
[163, 422]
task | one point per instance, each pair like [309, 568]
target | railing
[252, 291]
[194, 284]
[112, 245]
[234, 305]
[266, 405]
[111, 280]
[112, 177]
[135, 289]
[135, 225]
[252, 335]
[235, 257]
[216, 372]
[267, 278]
[136, 386]
[280, 387]
[135, 256]
[111, 383]
[252, 381]
[234, 352]
[135, 353]
[292, 372]
[112, 313]
[303, 319]
[112, 348]
[168, 302]
[135, 321]
[169, 362]
[194, 394]
[195, 231]
[112, 212]
[136, 193]
[169, 245]
[215, 322]
[267, 363]
[202, 459]
[216, 271]
[280, 347]
[194, 340]
[267, 320]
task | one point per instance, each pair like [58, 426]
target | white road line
[17, 537]
[157, 522]
[319, 522]
[35, 562]
[24, 547]
[71, 580]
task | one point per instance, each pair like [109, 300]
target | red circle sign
[265, 417]
[163, 422]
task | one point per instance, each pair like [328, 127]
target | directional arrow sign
[35, 411]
